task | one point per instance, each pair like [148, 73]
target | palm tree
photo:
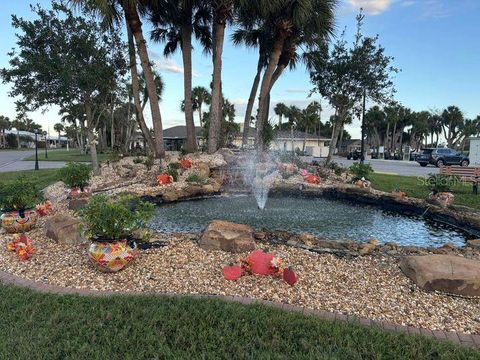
[58, 127]
[174, 24]
[293, 23]
[111, 12]
[5, 124]
[200, 96]
[222, 14]
[280, 110]
[294, 115]
[159, 86]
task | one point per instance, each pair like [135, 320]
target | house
[27, 139]
[174, 138]
[284, 141]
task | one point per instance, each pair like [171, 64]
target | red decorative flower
[22, 247]
[164, 179]
[312, 179]
[45, 208]
[185, 164]
[232, 272]
[261, 263]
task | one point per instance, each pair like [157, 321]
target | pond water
[330, 219]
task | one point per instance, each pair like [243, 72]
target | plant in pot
[109, 224]
[17, 202]
[441, 189]
[76, 176]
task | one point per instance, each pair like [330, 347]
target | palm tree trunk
[187, 85]
[200, 113]
[133, 20]
[305, 140]
[112, 125]
[293, 141]
[266, 86]
[216, 104]
[136, 92]
[91, 138]
[335, 132]
[251, 101]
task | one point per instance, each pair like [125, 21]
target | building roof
[350, 142]
[180, 132]
[287, 135]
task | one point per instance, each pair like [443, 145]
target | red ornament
[232, 272]
[164, 179]
[261, 263]
[312, 179]
[185, 164]
[290, 276]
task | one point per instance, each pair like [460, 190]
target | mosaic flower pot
[111, 256]
[19, 221]
[79, 193]
[443, 199]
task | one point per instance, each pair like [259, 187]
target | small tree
[64, 60]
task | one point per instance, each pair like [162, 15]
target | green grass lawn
[412, 185]
[39, 326]
[44, 177]
[64, 155]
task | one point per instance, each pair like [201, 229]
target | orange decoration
[164, 179]
[185, 164]
[312, 179]
[22, 246]
[45, 208]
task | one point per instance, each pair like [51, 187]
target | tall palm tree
[58, 127]
[293, 23]
[174, 22]
[222, 14]
[200, 96]
[280, 110]
[5, 124]
[159, 85]
[111, 12]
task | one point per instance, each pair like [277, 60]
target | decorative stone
[64, 229]
[227, 236]
[307, 239]
[202, 169]
[474, 243]
[373, 242]
[442, 199]
[367, 249]
[19, 221]
[446, 273]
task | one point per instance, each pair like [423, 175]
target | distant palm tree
[174, 24]
[280, 110]
[159, 86]
[5, 124]
[58, 127]
[111, 12]
[200, 96]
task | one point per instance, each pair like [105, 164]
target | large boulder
[227, 236]
[446, 273]
[64, 229]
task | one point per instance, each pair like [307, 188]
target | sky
[434, 43]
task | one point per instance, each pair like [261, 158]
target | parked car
[442, 156]
[355, 154]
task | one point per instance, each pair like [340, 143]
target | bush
[196, 178]
[441, 183]
[20, 194]
[172, 170]
[337, 169]
[110, 219]
[76, 175]
[361, 170]
[138, 160]
[149, 162]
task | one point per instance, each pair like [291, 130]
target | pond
[326, 218]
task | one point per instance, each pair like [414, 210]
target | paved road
[11, 160]
[396, 167]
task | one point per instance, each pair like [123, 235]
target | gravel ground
[372, 287]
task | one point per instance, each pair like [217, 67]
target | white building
[474, 151]
[27, 139]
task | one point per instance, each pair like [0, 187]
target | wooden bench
[467, 174]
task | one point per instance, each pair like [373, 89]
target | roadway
[12, 160]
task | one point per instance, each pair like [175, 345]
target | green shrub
[172, 170]
[337, 169]
[114, 219]
[149, 162]
[138, 160]
[20, 194]
[196, 178]
[361, 170]
[441, 182]
[76, 174]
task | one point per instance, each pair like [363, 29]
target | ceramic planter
[443, 199]
[19, 221]
[111, 256]
[362, 184]
[79, 193]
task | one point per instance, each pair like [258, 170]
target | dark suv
[442, 156]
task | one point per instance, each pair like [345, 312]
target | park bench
[467, 174]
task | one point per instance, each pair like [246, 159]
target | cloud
[371, 7]
[168, 65]
[435, 9]
[407, 3]
[296, 91]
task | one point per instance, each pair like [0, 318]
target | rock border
[469, 340]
